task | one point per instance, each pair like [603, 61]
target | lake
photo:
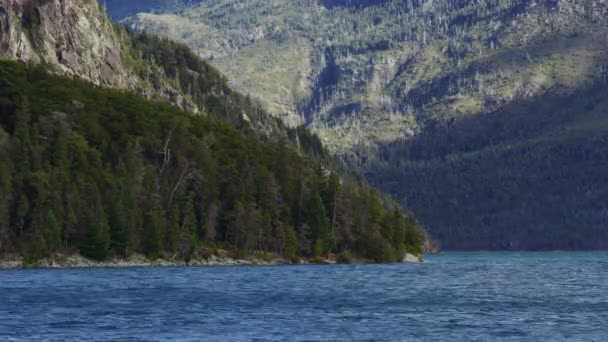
[451, 297]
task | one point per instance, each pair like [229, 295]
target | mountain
[96, 158]
[120, 9]
[530, 176]
[486, 117]
[370, 72]
[76, 38]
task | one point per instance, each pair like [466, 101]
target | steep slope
[72, 36]
[369, 72]
[487, 117]
[120, 9]
[105, 172]
[89, 165]
[76, 38]
[533, 175]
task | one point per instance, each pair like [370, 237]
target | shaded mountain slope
[531, 176]
[487, 117]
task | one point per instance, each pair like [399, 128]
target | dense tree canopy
[104, 172]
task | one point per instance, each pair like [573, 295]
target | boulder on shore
[410, 258]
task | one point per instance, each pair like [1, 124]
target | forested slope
[105, 172]
[532, 176]
[486, 117]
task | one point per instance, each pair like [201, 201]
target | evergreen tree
[291, 244]
[51, 231]
[96, 242]
[211, 224]
[5, 196]
[153, 227]
[119, 225]
[316, 218]
[93, 179]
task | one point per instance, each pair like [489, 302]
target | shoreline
[77, 261]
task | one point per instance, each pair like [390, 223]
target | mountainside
[369, 72]
[89, 165]
[76, 38]
[487, 117]
[531, 176]
[120, 9]
[105, 172]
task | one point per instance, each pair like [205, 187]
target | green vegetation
[198, 81]
[486, 117]
[368, 72]
[107, 173]
[532, 176]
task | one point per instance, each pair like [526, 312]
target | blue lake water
[452, 297]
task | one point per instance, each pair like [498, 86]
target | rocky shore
[138, 260]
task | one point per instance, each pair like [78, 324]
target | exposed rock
[410, 258]
[73, 36]
[76, 38]
[11, 262]
[136, 260]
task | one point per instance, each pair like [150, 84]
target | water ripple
[454, 296]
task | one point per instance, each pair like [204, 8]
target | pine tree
[96, 242]
[22, 152]
[237, 224]
[51, 231]
[5, 198]
[171, 236]
[290, 251]
[153, 227]
[210, 225]
[88, 180]
[118, 222]
[22, 146]
[317, 219]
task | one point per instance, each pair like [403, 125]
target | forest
[106, 173]
[509, 180]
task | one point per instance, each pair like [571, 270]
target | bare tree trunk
[184, 177]
[166, 152]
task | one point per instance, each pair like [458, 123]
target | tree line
[106, 173]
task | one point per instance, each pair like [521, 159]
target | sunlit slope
[367, 72]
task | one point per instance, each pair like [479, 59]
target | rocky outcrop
[410, 258]
[137, 260]
[74, 37]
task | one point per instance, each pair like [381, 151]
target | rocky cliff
[77, 38]
[73, 37]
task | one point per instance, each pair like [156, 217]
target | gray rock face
[76, 38]
[73, 36]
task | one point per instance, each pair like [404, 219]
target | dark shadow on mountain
[532, 176]
[324, 86]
